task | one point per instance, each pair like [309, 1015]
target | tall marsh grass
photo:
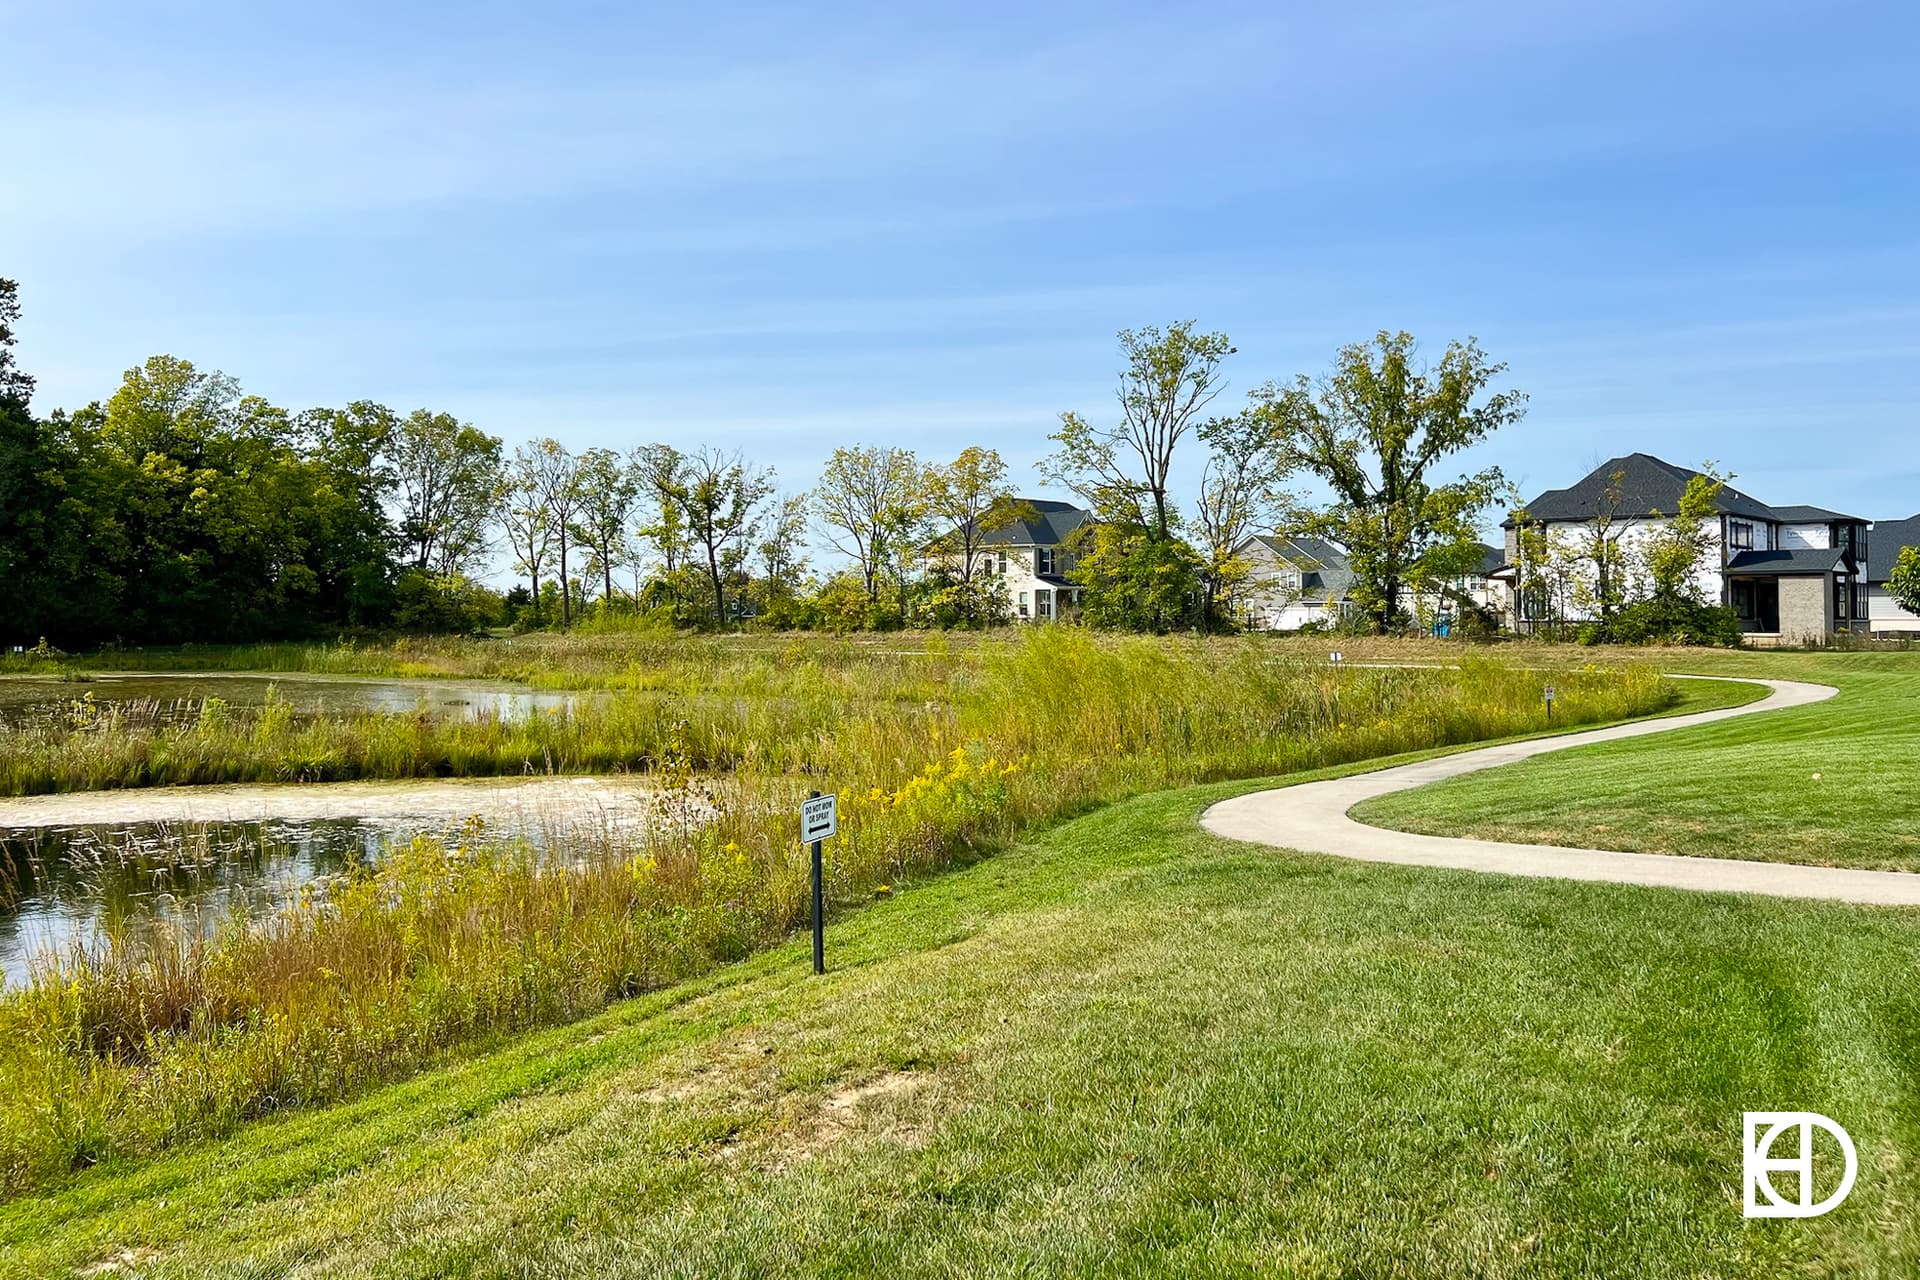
[125, 1047]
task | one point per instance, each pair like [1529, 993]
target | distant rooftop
[1815, 515]
[1884, 543]
[1647, 485]
[1044, 523]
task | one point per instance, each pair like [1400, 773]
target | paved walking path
[1312, 817]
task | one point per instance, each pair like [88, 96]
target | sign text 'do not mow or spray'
[819, 819]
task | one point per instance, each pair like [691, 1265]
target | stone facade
[1805, 610]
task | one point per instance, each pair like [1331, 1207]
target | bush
[1667, 620]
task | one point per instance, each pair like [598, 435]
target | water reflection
[173, 698]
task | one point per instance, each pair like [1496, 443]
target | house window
[1043, 604]
[1743, 600]
[1840, 597]
[1023, 604]
[1740, 535]
[1003, 564]
[1043, 561]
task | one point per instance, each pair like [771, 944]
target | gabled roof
[1815, 515]
[1884, 542]
[1046, 524]
[1774, 564]
[1491, 558]
[1316, 585]
[1302, 553]
[1647, 484]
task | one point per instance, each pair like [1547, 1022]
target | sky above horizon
[1688, 230]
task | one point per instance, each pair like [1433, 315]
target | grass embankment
[139, 1045]
[1126, 1047]
[1834, 784]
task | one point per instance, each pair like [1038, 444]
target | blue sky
[1689, 229]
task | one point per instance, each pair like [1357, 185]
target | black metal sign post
[1549, 704]
[819, 821]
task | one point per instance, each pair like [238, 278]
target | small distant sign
[1335, 657]
[1549, 693]
[819, 819]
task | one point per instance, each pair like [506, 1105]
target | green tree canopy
[1374, 430]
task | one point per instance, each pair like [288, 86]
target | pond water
[177, 695]
[140, 860]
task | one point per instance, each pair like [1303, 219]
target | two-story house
[1792, 574]
[1292, 582]
[1029, 557]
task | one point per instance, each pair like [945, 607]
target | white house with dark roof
[1029, 557]
[1792, 574]
[1885, 541]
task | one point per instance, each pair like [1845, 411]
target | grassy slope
[1124, 1047]
[1742, 789]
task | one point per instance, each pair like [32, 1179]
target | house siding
[1885, 615]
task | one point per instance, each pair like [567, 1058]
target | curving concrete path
[1312, 817]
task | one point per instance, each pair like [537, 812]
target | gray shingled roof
[1648, 485]
[1884, 542]
[1491, 558]
[1317, 585]
[1814, 515]
[1049, 525]
[1303, 552]
[1773, 564]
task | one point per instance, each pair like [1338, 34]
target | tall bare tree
[869, 500]
[1170, 377]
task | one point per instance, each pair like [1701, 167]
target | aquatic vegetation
[133, 1043]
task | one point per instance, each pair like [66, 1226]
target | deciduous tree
[1903, 580]
[556, 476]
[609, 488]
[870, 502]
[721, 495]
[1123, 470]
[448, 474]
[1374, 430]
[971, 498]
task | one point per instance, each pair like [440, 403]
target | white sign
[1334, 657]
[819, 819]
[1757, 1164]
[1549, 693]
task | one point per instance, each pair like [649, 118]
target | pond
[136, 860]
[178, 696]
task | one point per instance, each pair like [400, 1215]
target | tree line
[182, 509]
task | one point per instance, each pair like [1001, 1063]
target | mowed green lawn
[1837, 784]
[1124, 1048]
